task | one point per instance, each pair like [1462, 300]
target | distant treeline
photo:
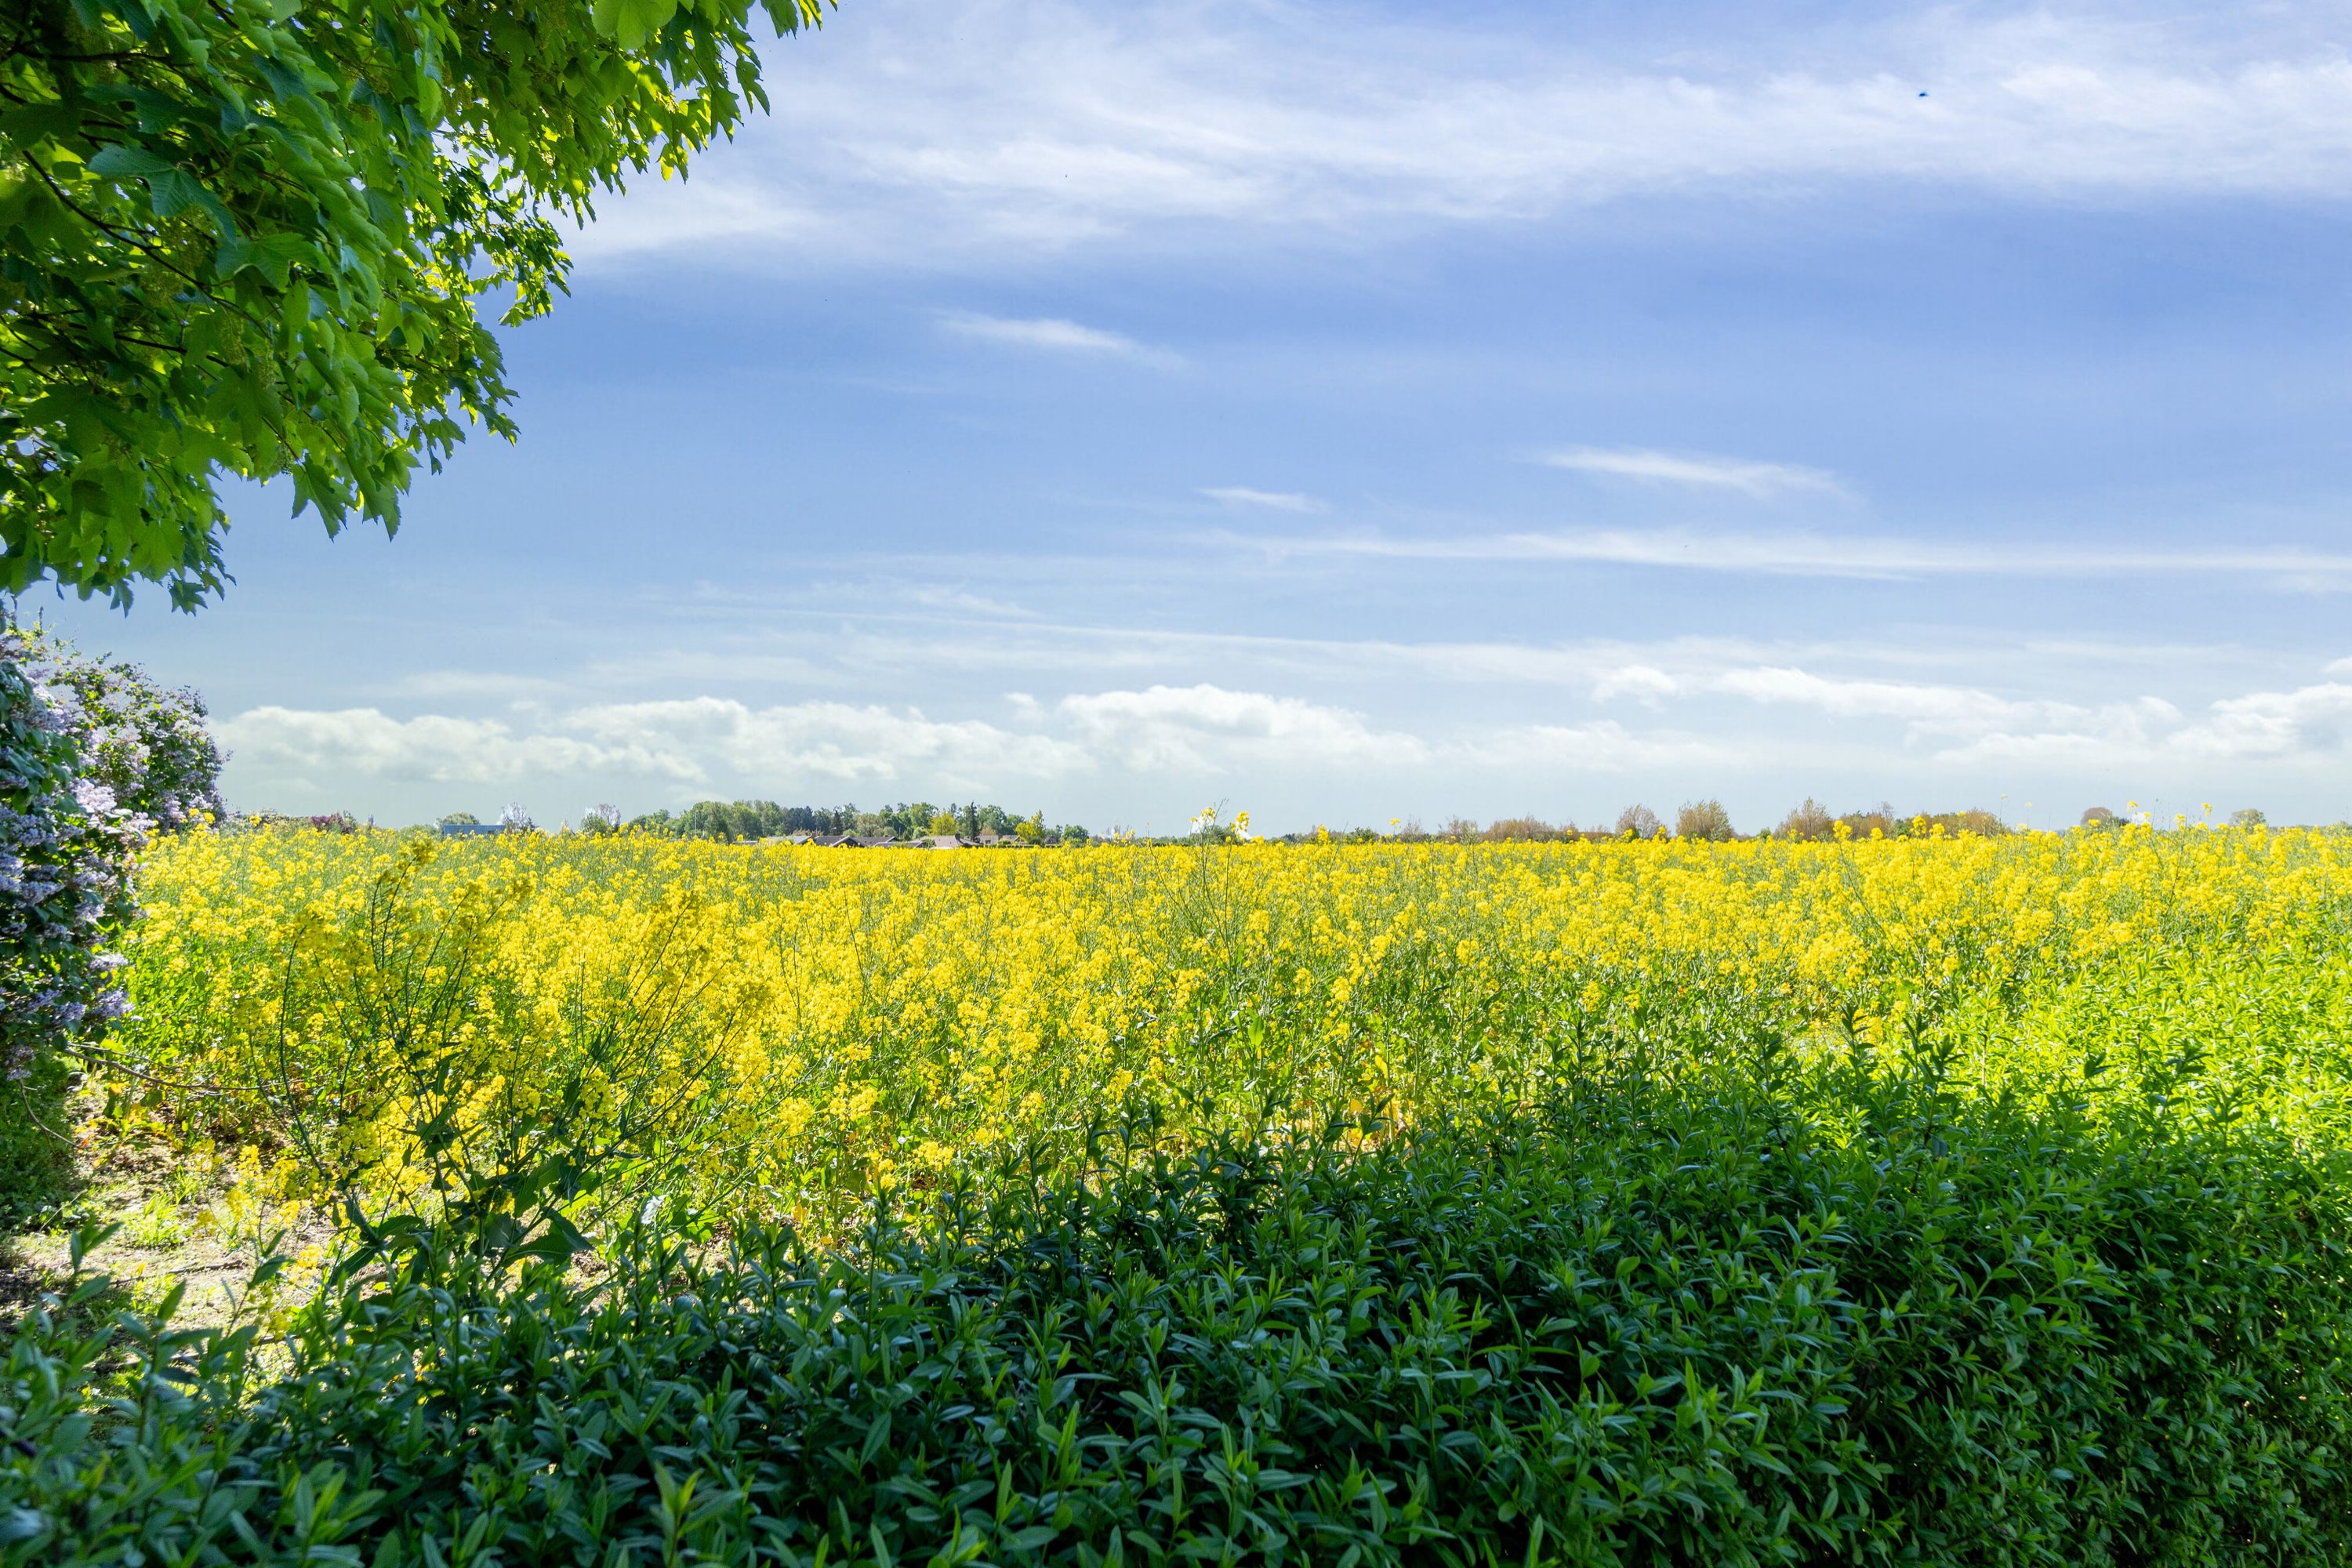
[750, 821]
[1707, 819]
[747, 821]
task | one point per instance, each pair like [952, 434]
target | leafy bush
[94, 758]
[1794, 1313]
[145, 744]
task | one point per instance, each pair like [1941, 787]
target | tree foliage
[253, 240]
[1704, 820]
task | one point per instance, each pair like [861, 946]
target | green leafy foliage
[251, 237]
[1786, 1313]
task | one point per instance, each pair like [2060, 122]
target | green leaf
[116, 161]
[631, 22]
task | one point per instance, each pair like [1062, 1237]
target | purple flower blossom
[93, 758]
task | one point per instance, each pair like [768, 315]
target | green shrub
[1825, 1318]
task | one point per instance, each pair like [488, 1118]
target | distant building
[940, 841]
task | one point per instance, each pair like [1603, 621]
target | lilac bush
[145, 743]
[94, 759]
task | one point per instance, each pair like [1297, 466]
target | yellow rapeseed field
[784, 1028]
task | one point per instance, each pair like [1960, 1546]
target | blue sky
[1114, 410]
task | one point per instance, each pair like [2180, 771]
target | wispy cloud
[1696, 470]
[1830, 555]
[949, 128]
[1604, 746]
[1271, 501]
[1050, 334]
[348, 743]
[1203, 729]
[961, 601]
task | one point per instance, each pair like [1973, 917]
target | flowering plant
[93, 759]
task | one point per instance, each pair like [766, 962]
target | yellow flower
[774, 1022]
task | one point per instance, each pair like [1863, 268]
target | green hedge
[1643, 1325]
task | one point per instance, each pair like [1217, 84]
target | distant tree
[1032, 830]
[1525, 829]
[1071, 834]
[740, 821]
[1637, 822]
[515, 820]
[601, 819]
[941, 824]
[461, 819]
[1808, 823]
[2099, 817]
[1884, 821]
[707, 819]
[2248, 816]
[1704, 820]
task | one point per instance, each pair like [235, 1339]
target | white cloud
[933, 132]
[1942, 708]
[1829, 555]
[829, 741]
[2341, 666]
[431, 748]
[1200, 729]
[1604, 747]
[1208, 729]
[1050, 334]
[1643, 681]
[958, 599]
[1736, 716]
[1272, 500]
[1696, 470]
[2310, 721]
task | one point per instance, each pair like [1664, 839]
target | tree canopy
[253, 239]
